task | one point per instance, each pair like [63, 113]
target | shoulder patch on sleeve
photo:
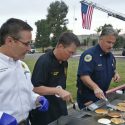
[88, 58]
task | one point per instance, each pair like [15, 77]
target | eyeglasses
[25, 43]
[28, 43]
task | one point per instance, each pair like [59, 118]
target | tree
[42, 35]
[99, 29]
[120, 43]
[120, 40]
[56, 19]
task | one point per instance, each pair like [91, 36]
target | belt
[24, 122]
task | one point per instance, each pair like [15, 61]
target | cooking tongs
[108, 104]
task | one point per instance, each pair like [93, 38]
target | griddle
[88, 116]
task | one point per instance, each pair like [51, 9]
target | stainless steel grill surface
[89, 117]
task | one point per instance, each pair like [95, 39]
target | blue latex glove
[7, 119]
[44, 104]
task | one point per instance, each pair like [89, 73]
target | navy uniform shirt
[49, 72]
[100, 67]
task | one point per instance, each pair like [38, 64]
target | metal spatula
[108, 104]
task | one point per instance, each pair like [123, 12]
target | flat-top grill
[89, 117]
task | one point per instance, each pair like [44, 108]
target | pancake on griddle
[120, 108]
[117, 121]
[114, 114]
[101, 111]
[121, 104]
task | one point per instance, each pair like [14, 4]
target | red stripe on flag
[87, 18]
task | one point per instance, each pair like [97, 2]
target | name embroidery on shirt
[99, 65]
[3, 69]
[55, 73]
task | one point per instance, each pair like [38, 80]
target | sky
[34, 10]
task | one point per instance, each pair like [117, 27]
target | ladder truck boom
[108, 11]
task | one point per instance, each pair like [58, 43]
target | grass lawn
[30, 63]
[72, 71]
[121, 70]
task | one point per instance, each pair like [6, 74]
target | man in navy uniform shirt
[97, 67]
[49, 79]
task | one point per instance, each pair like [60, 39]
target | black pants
[37, 118]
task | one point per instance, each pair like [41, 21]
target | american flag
[86, 11]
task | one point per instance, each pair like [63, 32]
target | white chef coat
[16, 95]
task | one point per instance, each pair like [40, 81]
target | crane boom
[108, 11]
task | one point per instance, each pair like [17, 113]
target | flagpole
[73, 18]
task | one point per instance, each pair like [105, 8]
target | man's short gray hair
[109, 31]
